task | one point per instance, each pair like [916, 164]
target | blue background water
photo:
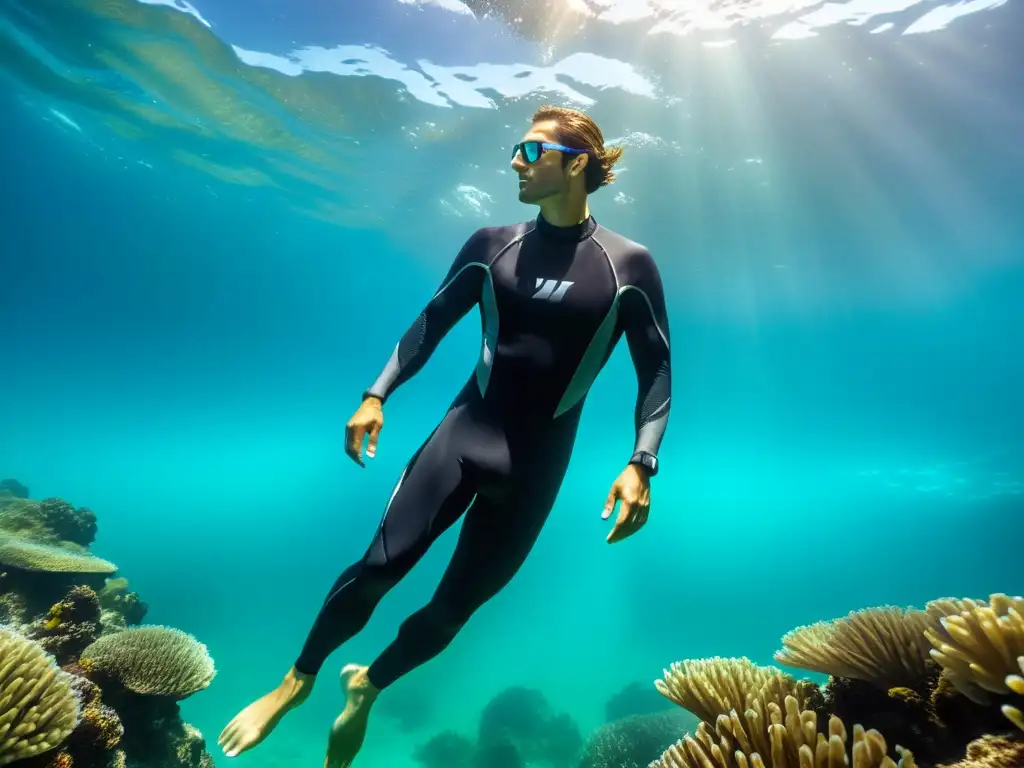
[205, 261]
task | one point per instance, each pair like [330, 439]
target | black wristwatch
[647, 460]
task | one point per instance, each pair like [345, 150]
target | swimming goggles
[532, 150]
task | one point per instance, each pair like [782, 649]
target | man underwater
[555, 295]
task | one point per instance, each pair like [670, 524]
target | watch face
[649, 461]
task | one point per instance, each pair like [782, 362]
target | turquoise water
[218, 220]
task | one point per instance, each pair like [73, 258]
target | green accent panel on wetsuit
[592, 361]
[489, 310]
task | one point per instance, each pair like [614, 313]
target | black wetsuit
[554, 302]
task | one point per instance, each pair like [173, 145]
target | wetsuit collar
[573, 233]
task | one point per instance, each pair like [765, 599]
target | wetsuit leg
[496, 538]
[431, 494]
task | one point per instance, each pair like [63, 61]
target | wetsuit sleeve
[457, 294]
[645, 322]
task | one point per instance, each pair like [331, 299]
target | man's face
[545, 178]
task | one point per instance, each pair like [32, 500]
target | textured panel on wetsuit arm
[458, 293]
[645, 322]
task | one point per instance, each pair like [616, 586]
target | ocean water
[218, 219]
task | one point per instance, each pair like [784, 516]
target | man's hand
[367, 420]
[633, 489]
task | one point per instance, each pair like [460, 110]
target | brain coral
[154, 660]
[38, 706]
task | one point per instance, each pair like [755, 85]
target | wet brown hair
[579, 131]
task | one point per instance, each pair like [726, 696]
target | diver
[555, 295]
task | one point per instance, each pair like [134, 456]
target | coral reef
[992, 752]
[69, 626]
[977, 644]
[77, 526]
[32, 556]
[50, 521]
[904, 715]
[716, 686]
[907, 688]
[39, 708]
[1016, 684]
[781, 743]
[12, 605]
[70, 646]
[38, 565]
[884, 646]
[152, 659]
[937, 684]
[635, 741]
[121, 608]
[156, 736]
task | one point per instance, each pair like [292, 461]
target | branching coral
[884, 646]
[715, 686]
[780, 741]
[153, 660]
[38, 706]
[978, 645]
[1016, 684]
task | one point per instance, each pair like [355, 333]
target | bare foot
[350, 728]
[254, 723]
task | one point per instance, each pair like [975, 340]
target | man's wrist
[640, 469]
[646, 462]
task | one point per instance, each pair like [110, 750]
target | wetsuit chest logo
[551, 290]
